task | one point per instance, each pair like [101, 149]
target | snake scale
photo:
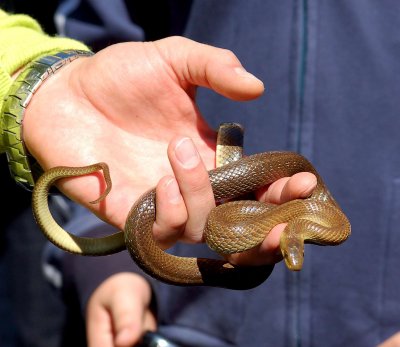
[232, 227]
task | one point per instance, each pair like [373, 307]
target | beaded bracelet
[23, 168]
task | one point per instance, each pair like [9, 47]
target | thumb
[207, 66]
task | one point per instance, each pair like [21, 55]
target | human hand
[183, 203]
[393, 341]
[123, 106]
[118, 311]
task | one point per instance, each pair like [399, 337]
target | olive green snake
[233, 226]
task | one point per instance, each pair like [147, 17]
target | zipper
[301, 34]
[302, 71]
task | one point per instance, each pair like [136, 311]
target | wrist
[22, 167]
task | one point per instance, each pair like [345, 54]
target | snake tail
[229, 143]
[61, 238]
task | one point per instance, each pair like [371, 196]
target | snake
[235, 225]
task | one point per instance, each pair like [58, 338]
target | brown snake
[231, 227]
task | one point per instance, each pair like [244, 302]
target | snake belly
[317, 219]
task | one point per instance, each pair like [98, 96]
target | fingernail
[173, 192]
[186, 153]
[243, 73]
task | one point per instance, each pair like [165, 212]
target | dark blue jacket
[332, 76]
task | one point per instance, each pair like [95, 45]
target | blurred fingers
[118, 311]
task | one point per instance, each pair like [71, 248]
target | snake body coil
[231, 227]
[317, 219]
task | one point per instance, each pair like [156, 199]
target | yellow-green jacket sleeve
[21, 41]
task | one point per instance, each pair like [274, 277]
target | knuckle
[229, 56]
[173, 222]
[198, 185]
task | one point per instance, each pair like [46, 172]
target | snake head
[292, 249]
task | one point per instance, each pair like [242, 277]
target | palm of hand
[120, 108]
